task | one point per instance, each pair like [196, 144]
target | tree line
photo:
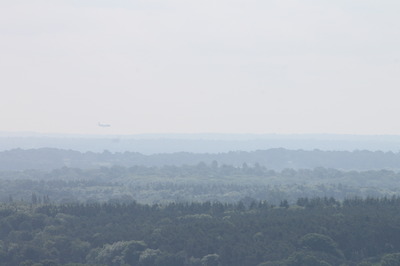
[274, 159]
[192, 183]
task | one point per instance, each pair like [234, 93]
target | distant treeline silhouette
[274, 159]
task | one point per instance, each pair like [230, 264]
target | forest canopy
[314, 231]
[196, 183]
[69, 208]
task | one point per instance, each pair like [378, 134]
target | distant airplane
[103, 125]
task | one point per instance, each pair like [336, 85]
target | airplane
[103, 125]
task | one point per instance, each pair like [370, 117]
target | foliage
[196, 183]
[355, 231]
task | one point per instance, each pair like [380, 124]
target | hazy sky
[186, 66]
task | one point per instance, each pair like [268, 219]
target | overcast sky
[191, 66]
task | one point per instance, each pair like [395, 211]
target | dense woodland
[318, 231]
[70, 208]
[197, 183]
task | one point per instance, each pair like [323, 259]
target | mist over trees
[92, 75]
[199, 143]
[266, 207]
[273, 159]
[197, 183]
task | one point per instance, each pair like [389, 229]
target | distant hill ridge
[198, 143]
[275, 159]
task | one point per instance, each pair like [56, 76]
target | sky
[191, 66]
